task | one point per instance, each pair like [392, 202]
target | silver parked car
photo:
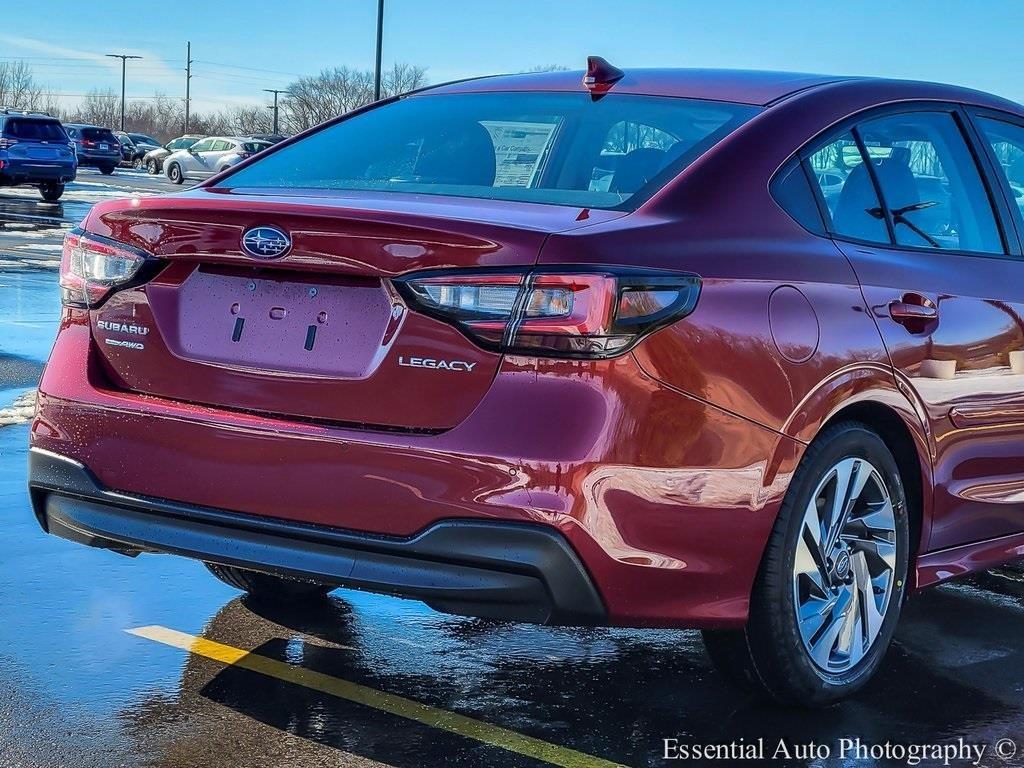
[209, 156]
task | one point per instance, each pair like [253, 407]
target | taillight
[88, 143]
[91, 266]
[6, 143]
[576, 314]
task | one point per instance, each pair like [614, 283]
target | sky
[240, 48]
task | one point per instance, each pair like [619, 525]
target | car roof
[13, 113]
[87, 125]
[755, 87]
[735, 85]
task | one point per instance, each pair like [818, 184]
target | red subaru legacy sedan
[740, 351]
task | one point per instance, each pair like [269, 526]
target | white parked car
[209, 156]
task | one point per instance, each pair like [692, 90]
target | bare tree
[309, 101]
[312, 100]
[99, 108]
[18, 88]
[402, 78]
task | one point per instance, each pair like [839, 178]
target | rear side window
[931, 183]
[555, 148]
[793, 192]
[846, 187]
[1007, 142]
[34, 130]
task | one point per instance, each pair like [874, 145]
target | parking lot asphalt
[107, 660]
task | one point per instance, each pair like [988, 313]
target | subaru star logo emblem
[266, 242]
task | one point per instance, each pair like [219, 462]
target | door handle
[901, 311]
[913, 311]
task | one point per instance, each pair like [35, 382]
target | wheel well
[888, 424]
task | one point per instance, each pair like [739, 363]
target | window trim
[1003, 216]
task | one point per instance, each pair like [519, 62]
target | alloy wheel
[844, 567]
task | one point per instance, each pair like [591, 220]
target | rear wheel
[267, 587]
[106, 170]
[137, 163]
[151, 167]
[174, 173]
[828, 595]
[51, 191]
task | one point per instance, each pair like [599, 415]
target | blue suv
[34, 149]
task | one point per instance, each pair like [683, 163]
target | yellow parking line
[370, 697]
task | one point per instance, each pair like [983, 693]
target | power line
[250, 69]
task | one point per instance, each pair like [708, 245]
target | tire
[223, 169]
[106, 170]
[151, 167]
[266, 587]
[51, 191]
[174, 174]
[137, 163]
[806, 663]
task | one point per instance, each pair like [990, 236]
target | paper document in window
[519, 150]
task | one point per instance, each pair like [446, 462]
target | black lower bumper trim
[502, 570]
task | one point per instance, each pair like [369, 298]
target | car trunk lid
[319, 333]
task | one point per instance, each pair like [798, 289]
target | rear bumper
[490, 569]
[98, 159]
[665, 500]
[29, 171]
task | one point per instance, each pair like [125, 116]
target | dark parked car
[134, 147]
[571, 350]
[95, 146]
[35, 150]
[154, 159]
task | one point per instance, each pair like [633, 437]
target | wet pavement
[108, 661]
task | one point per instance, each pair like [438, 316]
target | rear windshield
[557, 148]
[254, 146]
[34, 130]
[98, 134]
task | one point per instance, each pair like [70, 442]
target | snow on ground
[20, 411]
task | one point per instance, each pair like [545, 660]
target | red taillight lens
[91, 266]
[551, 313]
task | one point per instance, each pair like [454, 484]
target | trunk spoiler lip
[393, 207]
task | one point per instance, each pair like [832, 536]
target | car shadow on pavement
[610, 693]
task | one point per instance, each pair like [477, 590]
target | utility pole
[124, 59]
[380, 42]
[275, 91]
[188, 79]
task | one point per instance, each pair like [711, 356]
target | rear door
[946, 286]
